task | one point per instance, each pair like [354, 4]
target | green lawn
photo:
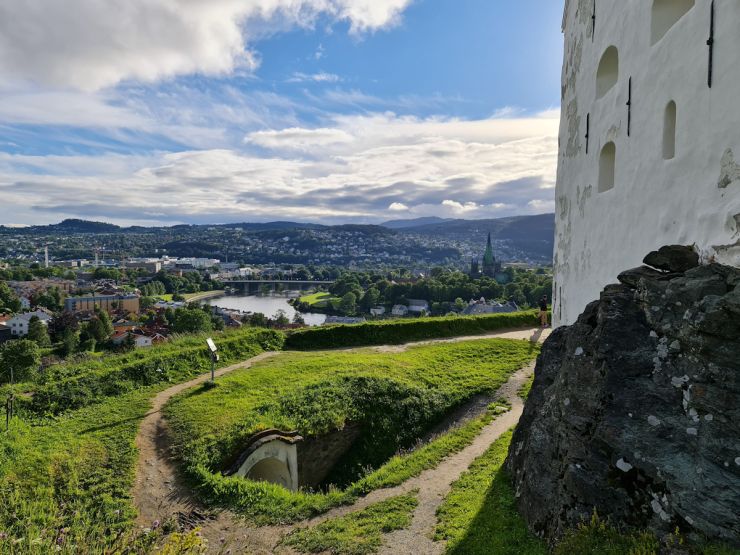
[397, 395]
[358, 533]
[67, 482]
[320, 299]
[479, 515]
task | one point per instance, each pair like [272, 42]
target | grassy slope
[67, 482]
[357, 533]
[479, 515]
[319, 300]
[209, 426]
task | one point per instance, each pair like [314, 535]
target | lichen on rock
[653, 420]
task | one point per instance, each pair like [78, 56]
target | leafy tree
[192, 320]
[298, 319]
[51, 299]
[19, 359]
[38, 333]
[348, 305]
[370, 299]
[258, 320]
[8, 298]
[281, 318]
[61, 323]
[70, 342]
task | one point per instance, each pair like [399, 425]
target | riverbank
[193, 297]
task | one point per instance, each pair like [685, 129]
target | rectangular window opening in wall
[669, 131]
[607, 167]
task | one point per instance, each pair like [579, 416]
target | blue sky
[253, 110]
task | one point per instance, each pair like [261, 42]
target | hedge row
[70, 387]
[394, 332]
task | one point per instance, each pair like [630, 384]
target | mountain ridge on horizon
[79, 225]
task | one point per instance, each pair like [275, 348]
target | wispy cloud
[322, 77]
[360, 168]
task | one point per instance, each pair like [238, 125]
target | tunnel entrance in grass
[363, 423]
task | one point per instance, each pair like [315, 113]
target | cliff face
[635, 409]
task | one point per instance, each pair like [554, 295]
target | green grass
[396, 395]
[526, 388]
[358, 533]
[73, 385]
[479, 515]
[65, 479]
[319, 300]
[67, 483]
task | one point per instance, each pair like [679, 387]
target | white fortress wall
[661, 191]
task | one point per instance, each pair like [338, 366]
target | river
[266, 304]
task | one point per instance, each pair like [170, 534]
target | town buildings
[19, 324]
[109, 303]
[649, 143]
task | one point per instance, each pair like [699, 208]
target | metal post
[213, 367]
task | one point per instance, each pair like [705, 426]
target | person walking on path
[543, 311]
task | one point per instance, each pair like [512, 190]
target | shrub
[394, 332]
[66, 387]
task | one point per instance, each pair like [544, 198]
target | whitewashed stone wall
[661, 191]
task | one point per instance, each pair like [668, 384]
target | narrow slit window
[669, 131]
[666, 13]
[608, 73]
[607, 167]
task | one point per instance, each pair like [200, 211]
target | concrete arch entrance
[270, 456]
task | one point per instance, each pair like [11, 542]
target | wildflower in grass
[3, 535]
[155, 524]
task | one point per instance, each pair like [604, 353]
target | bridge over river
[255, 285]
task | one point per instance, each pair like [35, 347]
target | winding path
[159, 494]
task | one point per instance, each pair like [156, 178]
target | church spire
[490, 267]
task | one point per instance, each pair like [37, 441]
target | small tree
[70, 342]
[61, 323]
[281, 318]
[38, 333]
[19, 359]
[348, 305]
[258, 320]
[192, 320]
[298, 319]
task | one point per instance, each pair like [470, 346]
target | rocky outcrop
[635, 409]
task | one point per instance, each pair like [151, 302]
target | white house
[649, 142]
[400, 310]
[19, 324]
[377, 311]
[417, 306]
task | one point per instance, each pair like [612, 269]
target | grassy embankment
[67, 467]
[320, 300]
[395, 396]
[395, 332]
[358, 533]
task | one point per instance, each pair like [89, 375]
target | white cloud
[354, 168]
[322, 77]
[89, 44]
[299, 139]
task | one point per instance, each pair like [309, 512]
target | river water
[266, 304]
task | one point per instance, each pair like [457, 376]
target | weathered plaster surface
[691, 199]
[285, 467]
